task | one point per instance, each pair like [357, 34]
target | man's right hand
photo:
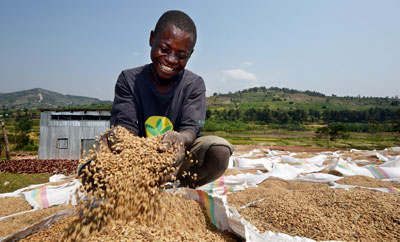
[109, 139]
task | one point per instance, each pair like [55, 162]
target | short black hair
[178, 19]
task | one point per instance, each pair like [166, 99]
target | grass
[307, 139]
[17, 181]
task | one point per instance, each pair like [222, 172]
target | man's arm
[193, 110]
[124, 110]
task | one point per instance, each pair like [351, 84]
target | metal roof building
[68, 134]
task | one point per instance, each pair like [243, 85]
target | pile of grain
[186, 221]
[11, 205]
[366, 181]
[362, 155]
[13, 224]
[51, 234]
[121, 184]
[318, 212]
[234, 172]
[305, 155]
[122, 188]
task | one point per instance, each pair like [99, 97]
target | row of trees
[23, 127]
[19, 125]
[266, 115]
[275, 90]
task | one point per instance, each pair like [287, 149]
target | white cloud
[136, 53]
[240, 74]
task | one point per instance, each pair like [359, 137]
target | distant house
[70, 134]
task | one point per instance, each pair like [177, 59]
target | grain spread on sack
[313, 210]
[366, 181]
[184, 220]
[51, 234]
[122, 198]
[15, 223]
[11, 205]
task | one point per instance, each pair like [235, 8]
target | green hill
[258, 97]
[41, 98]
[286, 99]
[283, 106]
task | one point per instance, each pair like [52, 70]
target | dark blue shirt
[139, 107]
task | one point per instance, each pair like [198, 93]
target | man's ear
[191, 52]
[151, 40]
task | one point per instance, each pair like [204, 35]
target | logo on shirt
[156, 125]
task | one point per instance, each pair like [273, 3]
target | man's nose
[171, 58]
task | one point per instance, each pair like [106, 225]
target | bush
[365, 128]
[228, 126]
[289, 127]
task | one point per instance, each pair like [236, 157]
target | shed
[70, 134]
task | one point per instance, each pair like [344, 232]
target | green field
[307, 139]
[11, 182]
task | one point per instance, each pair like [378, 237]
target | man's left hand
[176, 141]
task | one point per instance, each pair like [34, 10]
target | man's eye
[182, 57]
[163, 49]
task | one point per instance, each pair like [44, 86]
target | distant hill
[257, 97]
[41, 98]
[288, 99]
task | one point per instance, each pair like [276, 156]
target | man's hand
[176, 141]
[109, 139]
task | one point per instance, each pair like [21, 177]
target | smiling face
[170, 51]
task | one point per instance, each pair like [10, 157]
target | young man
[164, 97]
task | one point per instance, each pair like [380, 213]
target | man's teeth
[167, 68]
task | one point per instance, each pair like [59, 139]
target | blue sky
[341, 47]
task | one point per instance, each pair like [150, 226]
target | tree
[333, 132]
[23, 127]
[337, 131]
[396, 123]
[208, 113]
[372, 129]
[323, 133]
